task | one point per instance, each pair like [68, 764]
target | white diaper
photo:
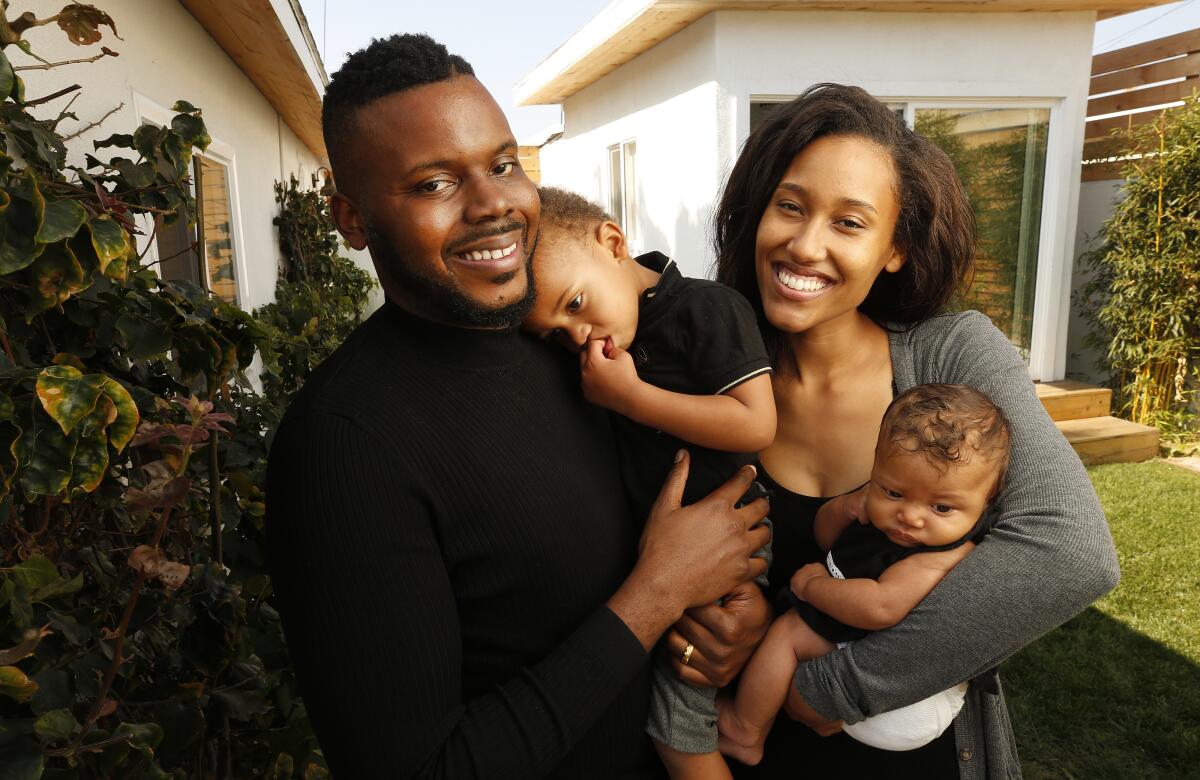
[913, 726]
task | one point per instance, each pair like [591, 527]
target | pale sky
[504, 41]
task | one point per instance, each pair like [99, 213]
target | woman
[850, 235]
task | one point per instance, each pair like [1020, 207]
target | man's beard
[441, 294]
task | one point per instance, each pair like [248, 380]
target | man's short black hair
[387, 65]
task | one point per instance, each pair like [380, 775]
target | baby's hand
[608, 375]
[802, 577]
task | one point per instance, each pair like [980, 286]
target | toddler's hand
[802, 577]
[608, 375]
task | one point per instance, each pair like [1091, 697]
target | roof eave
[270, 42]
[626, 28]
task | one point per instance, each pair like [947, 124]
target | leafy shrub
[320, 296]
[1141, 302]
[136, 634]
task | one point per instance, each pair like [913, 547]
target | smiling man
[453, 556]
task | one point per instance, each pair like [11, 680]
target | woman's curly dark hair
[935, 229]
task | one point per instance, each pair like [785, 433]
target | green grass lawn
[1115, 693]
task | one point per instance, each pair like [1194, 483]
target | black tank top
[793, 750]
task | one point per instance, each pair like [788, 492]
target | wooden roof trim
[254, 37]
[626, 28]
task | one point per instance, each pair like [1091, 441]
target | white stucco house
[659, 95]
[251, 66]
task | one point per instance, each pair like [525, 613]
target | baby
[682, 364]
[941, 458]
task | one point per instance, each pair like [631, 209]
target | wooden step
[1071, 400]
[1110, 440]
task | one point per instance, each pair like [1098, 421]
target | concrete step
[1071, 400]
[1110, 440]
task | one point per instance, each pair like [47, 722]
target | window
[204, 253]
[622, 198]
[1000, 155]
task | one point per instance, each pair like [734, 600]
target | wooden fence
[1126, 82]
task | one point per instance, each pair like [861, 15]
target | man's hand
[723, 637]
[805, 575]
[608, 375]
[689, 556]
[797, 709]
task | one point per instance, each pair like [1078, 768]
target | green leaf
[184, 107]
[191, 130]
[67, 395]
[57, 275]
[147, 138]
[15, 685]
[57, 725]
[54, 590]
[46, 453]
[109, 239]
[179, 154]
[142, 736]
[24, 46]
[17, 251]
[61, 220]
[137, 175]
[37, 571]
[90, 460]
[143, 338]
[121, 140]
[21, 759]
[7, 77]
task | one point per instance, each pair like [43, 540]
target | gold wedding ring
[687, 653]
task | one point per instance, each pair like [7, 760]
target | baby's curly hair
[569, 214]
[387, 65]
[948, 424]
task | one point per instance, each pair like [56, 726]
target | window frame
[628, 219]
[223, 154]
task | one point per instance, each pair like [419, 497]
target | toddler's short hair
[570, 213]
[948, 424]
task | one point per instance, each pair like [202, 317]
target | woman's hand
[797, 709]
[723, 637]
[805, 575]
[690, 556]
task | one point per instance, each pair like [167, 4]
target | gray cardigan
[1049, 554]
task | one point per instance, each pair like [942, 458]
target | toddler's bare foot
[737, 738]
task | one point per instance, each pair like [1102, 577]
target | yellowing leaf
[15, 685]
[57, 275]
[67, 395]
[121, 430]
[156, 566]
[110, 241]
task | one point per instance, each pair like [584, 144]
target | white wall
[166, 55]
[711, 70]
[666, 100]
[1097, 199]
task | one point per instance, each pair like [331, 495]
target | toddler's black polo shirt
[697, 337]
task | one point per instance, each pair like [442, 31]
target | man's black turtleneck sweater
[445, 522]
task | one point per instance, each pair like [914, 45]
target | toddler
[681, 362]
[940, 459]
